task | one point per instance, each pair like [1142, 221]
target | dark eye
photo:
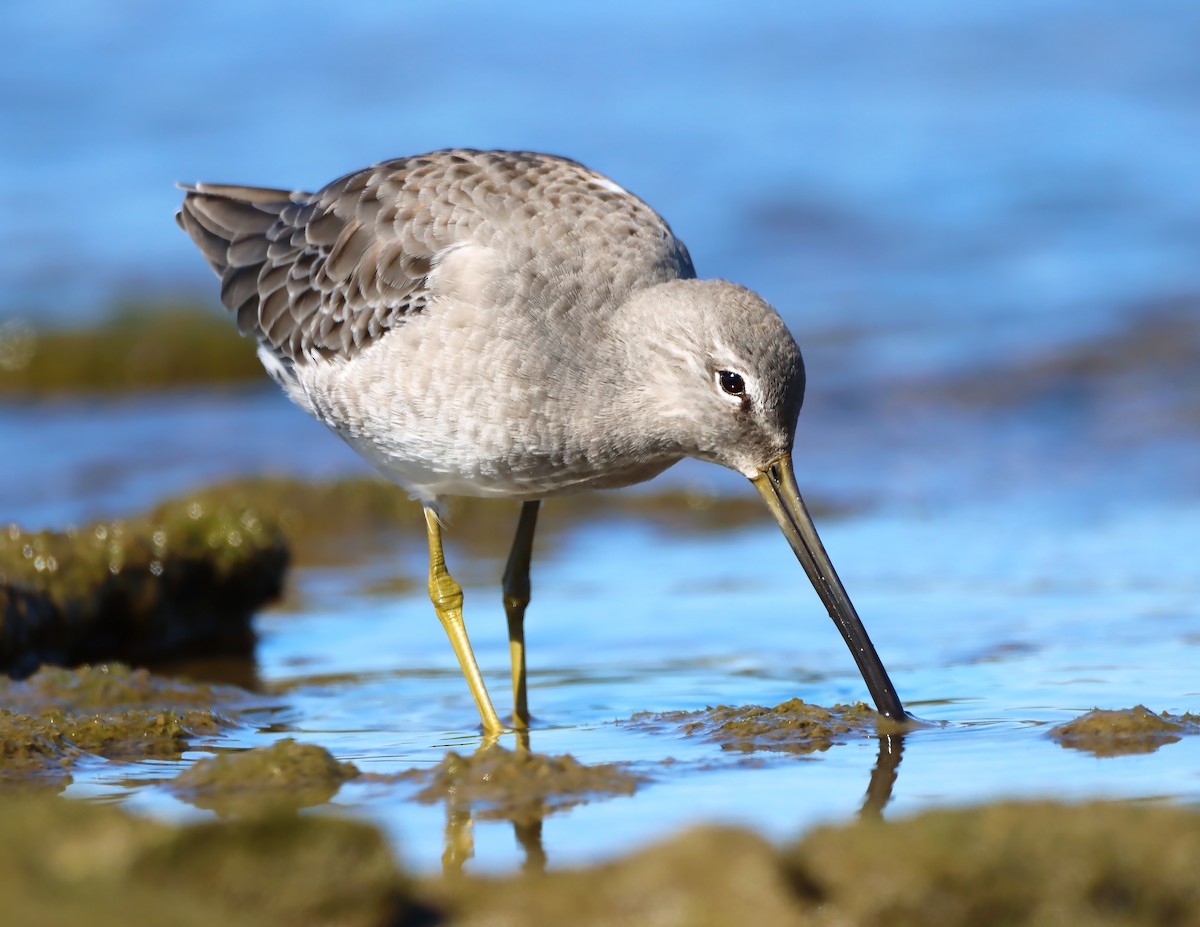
[731, 382]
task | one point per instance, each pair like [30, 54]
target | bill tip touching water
[514, 325]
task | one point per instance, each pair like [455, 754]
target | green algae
[179, 580]
[140, 346]
[325, 522]
[790, 727]
[109, 687]
[1006, 863]
[57, 717]
[32, 750]
[68, 863]
[519, 786]
[1009, 863]
[1109, 864]
[263, 780]
[707, 876]
[1104, 732]
[66, 562]
[137, 734]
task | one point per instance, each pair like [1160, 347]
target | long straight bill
[776, 483]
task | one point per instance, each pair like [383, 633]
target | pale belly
[484, 477]
[441, 427]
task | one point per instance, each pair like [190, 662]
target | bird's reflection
[529, 831]
[459, 845]
[883, 776]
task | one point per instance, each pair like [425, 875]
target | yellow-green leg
[516, 597]
[447, 602]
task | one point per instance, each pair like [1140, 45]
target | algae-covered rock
[65, 863]
[40, 749]
[705, 877]
[284, 776]
[520, 786]
[32, 750]
[1007, 863]
[57, 716]
[1095, 865]
[184, 579]
[137, 733]
[1111, 865]
[139, 346]
[790, 727]
[287, 870]
[112, 687]
[1129, 730]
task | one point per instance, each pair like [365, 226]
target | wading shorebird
[514, 325]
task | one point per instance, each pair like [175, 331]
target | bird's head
[722, 374]
[725, 380]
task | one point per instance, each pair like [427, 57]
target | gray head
[724, 378]
[726, 381]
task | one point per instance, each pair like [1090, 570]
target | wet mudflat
[71, 862]
[249, 857]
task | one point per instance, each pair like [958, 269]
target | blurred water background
[981, 220]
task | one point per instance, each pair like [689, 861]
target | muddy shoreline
[259, 861]
[65, 861]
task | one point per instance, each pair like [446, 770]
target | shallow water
[1013, 568]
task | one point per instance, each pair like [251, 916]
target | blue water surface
[957, 178]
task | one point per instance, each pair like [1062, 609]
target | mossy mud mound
[1106, 732]
[182, 580]
[519, 785]
[282, 777]
[793, 726]
[141, 345]
[1002, 864]
[66, 862]
[57, 717]
[1007, 863]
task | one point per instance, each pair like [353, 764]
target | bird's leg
[447, 602]
[516, 597]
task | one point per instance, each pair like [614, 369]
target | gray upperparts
[324, 274]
